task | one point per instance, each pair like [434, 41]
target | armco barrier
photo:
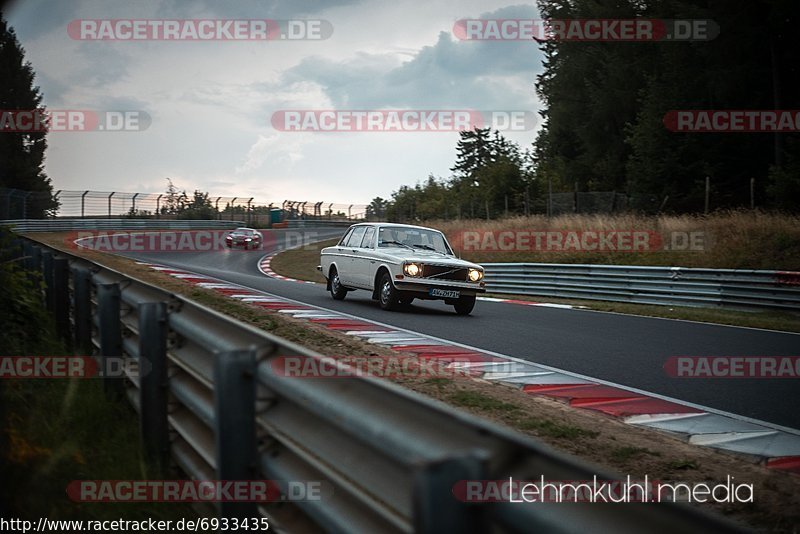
[668, 286]
[24, 226]
[211, 405]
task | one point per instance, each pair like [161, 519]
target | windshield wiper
[396, 243]
[428, 247]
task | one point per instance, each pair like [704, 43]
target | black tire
[338, 291]
[464, 305]
[387, 294]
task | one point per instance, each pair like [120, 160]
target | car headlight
[412, 269]
[247, 239]
[474, 275]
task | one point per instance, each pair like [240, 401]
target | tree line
[604, 109]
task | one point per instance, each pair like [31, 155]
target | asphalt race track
[626, 350]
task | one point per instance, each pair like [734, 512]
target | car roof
[397, 225]
[243, 228]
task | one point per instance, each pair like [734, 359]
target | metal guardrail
[211, 404]
[729, 288]
[65, 225]
[303, 223]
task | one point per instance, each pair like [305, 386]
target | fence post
[153, 425]
[109, 203]
[235, 423]
[435, 507]
[83, 204]
[25, 204]
[82, 306]
[108, 304]
[61, 298]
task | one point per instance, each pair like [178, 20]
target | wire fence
[17, 204]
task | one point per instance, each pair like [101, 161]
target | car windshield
[414, 238]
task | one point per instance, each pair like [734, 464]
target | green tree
[605, 103]
[376, 209]
[22, 153]
[199, 207]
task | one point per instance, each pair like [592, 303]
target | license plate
[446, 293]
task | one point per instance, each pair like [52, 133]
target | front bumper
[420, 287]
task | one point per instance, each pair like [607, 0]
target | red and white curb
[264, 265]
[777, 447]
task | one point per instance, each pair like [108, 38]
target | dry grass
[734, 239]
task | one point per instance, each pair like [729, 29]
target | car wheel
[338, 291]
[464, 305]
[387, 295]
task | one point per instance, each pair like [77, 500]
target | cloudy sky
[211, 102]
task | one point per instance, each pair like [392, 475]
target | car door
[348, 261]
[336, 254]
[364, 260]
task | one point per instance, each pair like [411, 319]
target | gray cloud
[450, 73]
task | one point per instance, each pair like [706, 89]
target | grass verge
[59, 431]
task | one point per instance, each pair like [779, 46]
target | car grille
[443, 272]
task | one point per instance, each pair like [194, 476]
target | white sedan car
[399, 263]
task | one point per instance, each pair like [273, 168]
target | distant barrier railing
[726, 288]
[65, 225]
[211, 404]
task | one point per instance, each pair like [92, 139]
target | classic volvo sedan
[399, 263]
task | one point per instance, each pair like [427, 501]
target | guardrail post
[27, 255]
[235, 423]
[82, 309]
[47, 274]
[61, 298]
[436, 509]
[35, 264]
[108, 304]
[154, 427]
